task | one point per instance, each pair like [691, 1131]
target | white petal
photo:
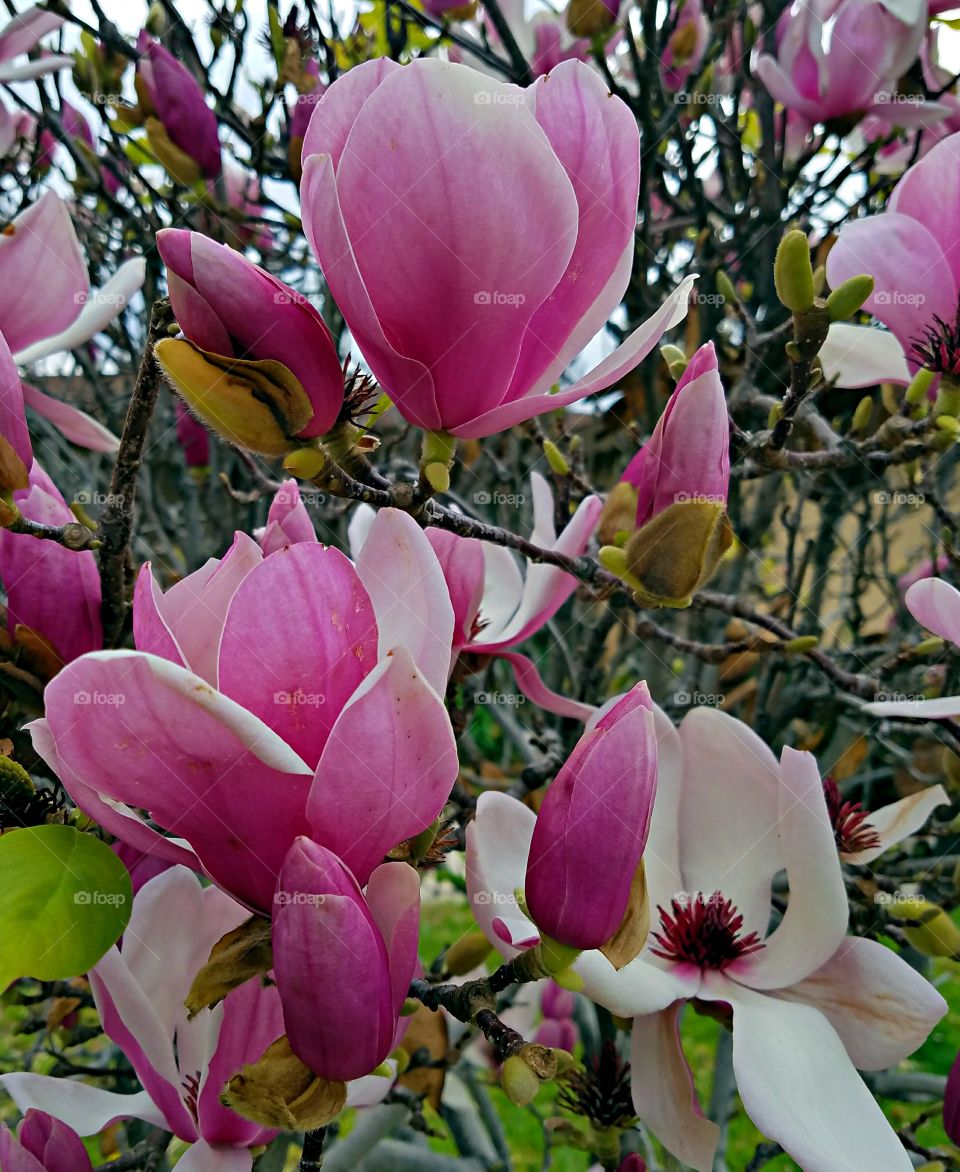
[899, 820]
[939, 709]
[861, 356]
[84, 1108]
[644, 986]
[498, 843]
[204, 1157]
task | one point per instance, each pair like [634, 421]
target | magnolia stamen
[705, 931]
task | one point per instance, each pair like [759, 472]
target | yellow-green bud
[555, 458]
[919, 386]
[793, 272]
[848, 297]
[439, 449]
[519, 1083]
[948, 425]
[863, 414]
[800, 645]
[948, 399]
[725, 287]
[675, 359]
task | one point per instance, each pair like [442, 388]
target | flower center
[703, 930]
[851, 828]
[938, 346]
[191, 1095]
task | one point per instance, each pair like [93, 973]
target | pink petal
[800, 1088]
[406, 585]
[57, 1146]
[204, 1157]
[408, 380]
[160, 738]
[100, 307]
[299, 638]
[337, 110]
[393, 896]
[387, 767]
[629, 354]
[913, 280]
[21, 34]
[663, 1092]
[78, 427]
[41, 242]
[929, 193]
[882, 1008]
[817, 914]
[531, 684]
[150, 631]
[13, 421]
[598, 143]
[288, 521]
[936, 605]
[461, 560]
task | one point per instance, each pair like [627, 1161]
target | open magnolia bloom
[910, 251]
[508, 217]
[497, 605]
[936, 605]
[17, 37]
[139, 988]
[727, 819]
[270, 698]
[47, 306]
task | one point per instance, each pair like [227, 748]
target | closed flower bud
[848, 297]
[519, 1083]
[587, 18]
[793, 272]
[676, 553]
[592, 828]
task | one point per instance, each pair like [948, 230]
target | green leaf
[65, 897]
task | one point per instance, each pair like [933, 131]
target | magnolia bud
[519, 1083]
[555, 458]
[587, 18]
[725, 287]
[948, 398]
[280, 1091]
[178, 164]
[619, 517]
[677, 552]
[847, 298]
[256, 405]
[465, 954]
[439, 449]
[793, 273]
[863, 414]
[919, 388]
[630, 937]
[929, 929]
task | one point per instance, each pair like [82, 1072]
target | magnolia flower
[139, 988]
[686, 45]
[52, 592]
[181, 127]
[727, 818]
[270, 698]
[837, 59]
[287, 521]
[508, 216]
[193, 437]
[47, 305]
[497, 605]
[343, 959]
[236, 315]
[19, 36]
[42, 1144]
[909, 251]
[935, 604]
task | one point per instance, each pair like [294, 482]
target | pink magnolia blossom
[51, 590]
[47, 305]
[688, 455]
[17, 37]
[598, 806]
[288, 521]
[552, 45]
[839, 59]
[558, 1028]
[270, 698]
[227, 305]
[909, 250]
[42, 1144]
[466, 335]
[496, 603]
[139, 988]
[343, 958]
[686, 45]
[169, 91]
[727, 818]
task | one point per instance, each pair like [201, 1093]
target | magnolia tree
[477, 530]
